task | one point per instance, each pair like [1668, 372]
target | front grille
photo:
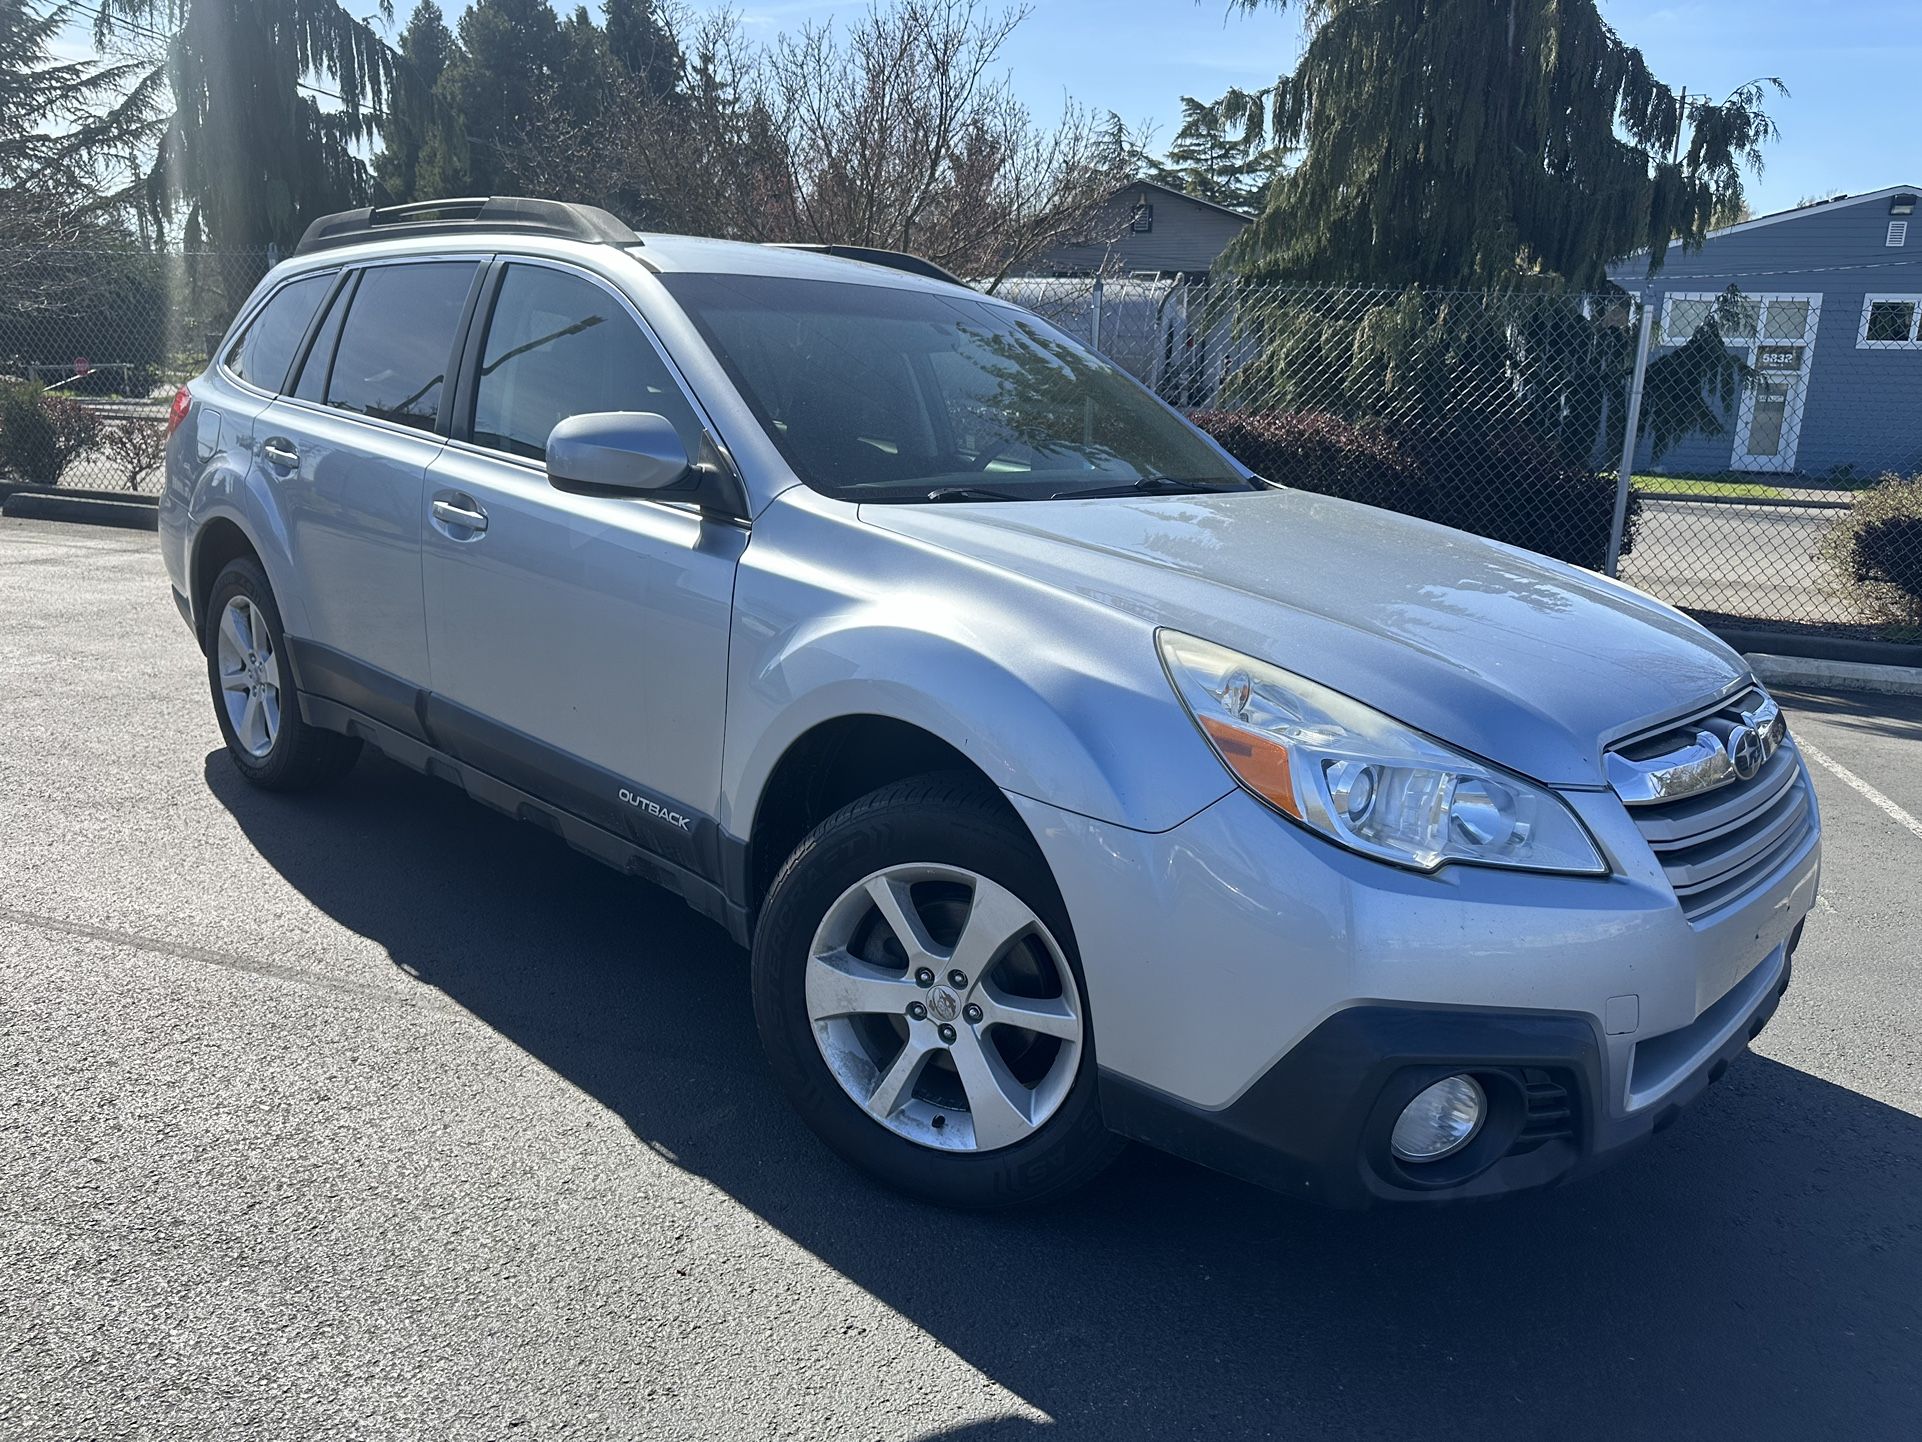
[1716, 834]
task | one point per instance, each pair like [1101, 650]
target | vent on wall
[1898, 232]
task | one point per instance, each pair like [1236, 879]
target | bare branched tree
[901, 134]
[896, 132]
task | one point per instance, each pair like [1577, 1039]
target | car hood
[1517, 658]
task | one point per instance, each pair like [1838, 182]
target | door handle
[453, 515]
[279, 451]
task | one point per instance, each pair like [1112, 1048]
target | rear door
[348, 450]
[579, 643]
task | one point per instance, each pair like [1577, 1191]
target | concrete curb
[46, 506]
[1806, 671]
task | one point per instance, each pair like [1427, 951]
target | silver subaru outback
[1068, 782]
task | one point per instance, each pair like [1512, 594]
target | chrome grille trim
[1685, 760]
[1716, 834]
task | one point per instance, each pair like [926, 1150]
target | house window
[1890, 322]
[1747, 320]
[1143, 219]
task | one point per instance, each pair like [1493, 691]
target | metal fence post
[1632, 424]
[1094, 318]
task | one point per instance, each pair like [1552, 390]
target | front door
[1780, 349]
[578, 644]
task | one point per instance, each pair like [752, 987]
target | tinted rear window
[266, 348]
[398, 341]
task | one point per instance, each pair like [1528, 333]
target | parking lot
[376, 1114]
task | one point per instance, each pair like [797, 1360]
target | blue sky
[1851, 122]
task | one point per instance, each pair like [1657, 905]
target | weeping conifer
[1468, 143]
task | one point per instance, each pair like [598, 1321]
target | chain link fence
[93, 344]
[1774, 479]
[1771, 433]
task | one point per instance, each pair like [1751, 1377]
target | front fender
[1042, 719]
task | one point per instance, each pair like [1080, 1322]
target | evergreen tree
[67, 131]
[510, 55]
[1220, 154]
[424, 154]
[1468, 142]
[644, 44]
[249, 155]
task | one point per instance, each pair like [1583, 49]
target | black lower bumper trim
[1316, 1124]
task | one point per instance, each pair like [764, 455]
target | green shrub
[108, 307]
[1875, 551]
[41, 434]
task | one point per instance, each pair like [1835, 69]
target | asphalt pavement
[375, 1114]
[1740, 560]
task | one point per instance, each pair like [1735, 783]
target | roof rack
[516, 214]
[873, 255]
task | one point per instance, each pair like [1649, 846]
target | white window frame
[1913, 300]
[1748, 347]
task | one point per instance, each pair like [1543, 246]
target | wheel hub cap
[943, 1005]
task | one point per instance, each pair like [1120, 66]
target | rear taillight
[177, 412]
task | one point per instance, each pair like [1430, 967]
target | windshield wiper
[1146, 486]
[972, 493]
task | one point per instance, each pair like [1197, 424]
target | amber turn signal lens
[1260, 764]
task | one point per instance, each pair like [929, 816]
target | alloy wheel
[944, 1008]
[249, 676]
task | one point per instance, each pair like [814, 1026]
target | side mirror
[619, 452]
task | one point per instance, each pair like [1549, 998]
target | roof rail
[516, 214]
[873, 255]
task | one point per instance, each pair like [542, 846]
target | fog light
[1439, 1121]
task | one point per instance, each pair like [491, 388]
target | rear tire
[977, 1092]
[255, 699]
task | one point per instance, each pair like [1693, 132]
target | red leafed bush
[1315, 451]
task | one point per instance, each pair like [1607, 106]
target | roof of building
[1241, 215]
[1802, 212]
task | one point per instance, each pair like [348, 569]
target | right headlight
[1363, 779]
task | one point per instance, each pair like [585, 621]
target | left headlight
[1363, 779]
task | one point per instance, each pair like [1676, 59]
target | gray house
[1829, 319]
[1148, 232]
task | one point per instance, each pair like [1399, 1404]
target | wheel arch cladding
[218, 542]
[833, 763]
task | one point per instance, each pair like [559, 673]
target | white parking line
[1850, 779]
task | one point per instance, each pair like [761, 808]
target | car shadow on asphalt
[1872, 714]
[1755, 1271]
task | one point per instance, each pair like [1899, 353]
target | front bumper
[1316, 1125]
[1266, 1002]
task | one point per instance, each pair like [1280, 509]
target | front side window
[559, 345]
[397, 341]
[883, 393]
[266, 348]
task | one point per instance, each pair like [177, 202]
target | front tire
[921, 1002]
[255, 699]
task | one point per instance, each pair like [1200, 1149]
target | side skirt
[705, 896]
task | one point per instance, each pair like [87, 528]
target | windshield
[874, 393]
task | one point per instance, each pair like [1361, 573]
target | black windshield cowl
[962, 493]
[1155, 486]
